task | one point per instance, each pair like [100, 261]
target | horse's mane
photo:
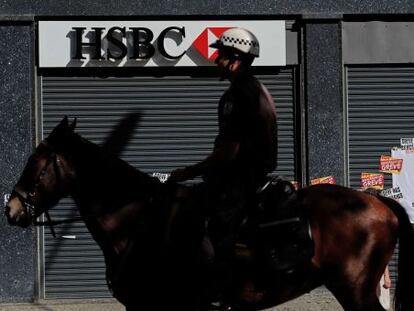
[100, 172]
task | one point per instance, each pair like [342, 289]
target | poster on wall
[372, 181]
[324, 180]
[392, 193]
[390, 165]
[404, 181]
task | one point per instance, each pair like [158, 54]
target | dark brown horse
[152, 245]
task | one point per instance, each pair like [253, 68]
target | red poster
[390, 165]
[372, 180]
[324, 180]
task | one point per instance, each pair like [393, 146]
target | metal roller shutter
[177, 128]
[380, 112]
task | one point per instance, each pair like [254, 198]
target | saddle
[282, 239]
[277, 236]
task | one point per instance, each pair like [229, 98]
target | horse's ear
[61, 127]
[72, 126]
[61, 130]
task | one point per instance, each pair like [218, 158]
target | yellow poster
[372, 180]
[390, 165]
[324, 180]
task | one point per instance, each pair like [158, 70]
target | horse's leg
[354, 279]
[356, 297]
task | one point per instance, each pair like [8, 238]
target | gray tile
[17, 245]
[324, 101]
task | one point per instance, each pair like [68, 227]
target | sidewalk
[317, 300]
[65, 305]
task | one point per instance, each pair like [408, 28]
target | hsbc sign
[149, 43]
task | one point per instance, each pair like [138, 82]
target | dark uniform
[246, 114]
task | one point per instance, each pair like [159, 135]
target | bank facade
[340, 74]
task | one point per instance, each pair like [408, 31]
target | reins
[27, 201]
[49, 222]
[30, 208]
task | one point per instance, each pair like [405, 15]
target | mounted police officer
[245, 148]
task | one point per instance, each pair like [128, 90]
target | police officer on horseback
[245, 148]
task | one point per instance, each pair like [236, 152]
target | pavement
[317, 300]
[65, 305]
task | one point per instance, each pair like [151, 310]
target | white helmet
[240, 39]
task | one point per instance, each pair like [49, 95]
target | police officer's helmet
[239, 40]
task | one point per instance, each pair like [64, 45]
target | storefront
[340, 73]
[164, 73]
[379, 95]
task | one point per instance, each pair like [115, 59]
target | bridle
[28, 201]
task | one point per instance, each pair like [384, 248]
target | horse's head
[45, 178]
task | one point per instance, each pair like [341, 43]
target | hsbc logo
[207, 37]
[97, 43]
[139, 43]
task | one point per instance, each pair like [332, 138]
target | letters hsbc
[140, 39]
[149, 43]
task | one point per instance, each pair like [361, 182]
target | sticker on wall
[163, 177]
[6, 198]
[324, 180]
[393, 193]
[390, 165]
[407, 142]
[296, 185]
[372, 180]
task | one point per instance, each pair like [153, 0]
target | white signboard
[393, 193]
[149, 43]
[405, 179]
[163, 177]
[6, 198]
[407, 142]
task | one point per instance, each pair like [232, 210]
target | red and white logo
[207, 37]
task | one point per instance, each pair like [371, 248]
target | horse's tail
[403, 300]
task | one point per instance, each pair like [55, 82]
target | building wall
[325, 123]
[204, 7]
[17, 247]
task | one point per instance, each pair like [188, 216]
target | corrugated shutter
[177, 128]
[380, 112]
